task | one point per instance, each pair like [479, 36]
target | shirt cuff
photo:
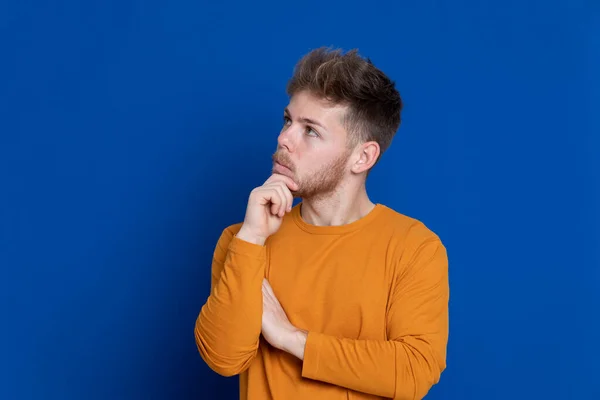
[312, 350]
[243, 247]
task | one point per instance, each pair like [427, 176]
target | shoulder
[409, 229]
[410, 236]
[418, 252]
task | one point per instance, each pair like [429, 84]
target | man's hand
[266, 207]
[276, 327]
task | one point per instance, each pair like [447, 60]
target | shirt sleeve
[410, 362]
[228, 326]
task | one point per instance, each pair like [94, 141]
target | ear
[366, 156]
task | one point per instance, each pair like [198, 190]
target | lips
[279, 167]
[283, 165]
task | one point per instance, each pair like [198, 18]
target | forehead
[306, 105]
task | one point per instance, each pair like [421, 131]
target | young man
[336, 297]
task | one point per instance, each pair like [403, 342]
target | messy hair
[374, 103]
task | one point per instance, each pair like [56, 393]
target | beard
[319, 183]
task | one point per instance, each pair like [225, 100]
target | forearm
[403, 369]
[228, 327]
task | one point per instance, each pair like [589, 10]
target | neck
[343, 206]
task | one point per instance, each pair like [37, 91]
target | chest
[332, 286]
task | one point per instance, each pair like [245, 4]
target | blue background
[132, 132]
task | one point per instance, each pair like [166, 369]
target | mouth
[281, 168]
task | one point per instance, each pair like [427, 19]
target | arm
[411, 361]
[228, 327]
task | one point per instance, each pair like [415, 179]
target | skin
[314, 161]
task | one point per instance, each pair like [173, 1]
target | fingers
[280, 197]
[278, 200]
[289, 182]
[290, 199]
[277, 192]
[268, 293]
[286, 199]
[267, 287]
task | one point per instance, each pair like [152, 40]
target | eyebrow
[305, 120]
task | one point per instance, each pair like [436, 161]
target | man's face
[312, 146]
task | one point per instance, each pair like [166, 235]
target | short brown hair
[348, 79]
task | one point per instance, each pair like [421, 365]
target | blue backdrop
[132, 132]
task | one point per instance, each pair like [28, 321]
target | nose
[286, 139]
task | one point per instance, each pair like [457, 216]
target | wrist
[295, 343]
[247, 236]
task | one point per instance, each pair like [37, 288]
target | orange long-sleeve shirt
[373, 296]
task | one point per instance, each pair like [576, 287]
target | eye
[286, 121]
[311, 132]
